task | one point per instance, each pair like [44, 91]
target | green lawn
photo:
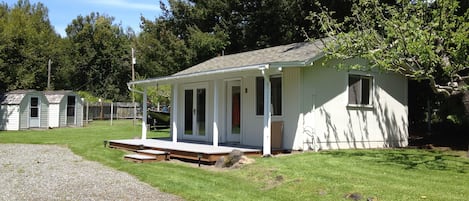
[403, 174]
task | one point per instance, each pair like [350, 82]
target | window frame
[260, 96]
[360, 103]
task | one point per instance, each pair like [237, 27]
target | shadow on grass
[408, 159]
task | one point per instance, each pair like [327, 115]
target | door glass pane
[34, 101]
[34, 107]
[201, 94]
[235, 109]
[188, 108]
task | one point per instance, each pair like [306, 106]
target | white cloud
[128, 4]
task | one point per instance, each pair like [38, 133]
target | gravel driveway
[49, 172]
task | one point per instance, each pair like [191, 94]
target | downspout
[144, 110]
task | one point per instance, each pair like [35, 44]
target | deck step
[152, 152]
[141, 158]
[160, 155]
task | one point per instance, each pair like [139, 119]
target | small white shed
[23, 109]
[65, 108]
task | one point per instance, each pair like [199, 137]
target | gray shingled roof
[13, 97]
[56, 96]
[296, 52]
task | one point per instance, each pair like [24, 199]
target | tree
[421, 39]
[27, 42]
[100, 56]
[190, 32]
[160, 51]
[181, 37]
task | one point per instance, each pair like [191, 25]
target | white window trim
[372, 91]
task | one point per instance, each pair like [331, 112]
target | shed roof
[56, 96]
[14, 97]
[296, 54]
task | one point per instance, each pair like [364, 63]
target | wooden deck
[183, 150]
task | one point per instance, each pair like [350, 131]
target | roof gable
[14, 97]
[56, 96]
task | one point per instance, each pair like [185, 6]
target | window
[276, 95]
[34, 109]
[359, 90]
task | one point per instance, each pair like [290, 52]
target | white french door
[195, 112]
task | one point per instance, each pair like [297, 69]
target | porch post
[267, 113]
[215, 113]
[144, 114]
[174, 113]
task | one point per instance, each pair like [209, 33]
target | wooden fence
[106, 111]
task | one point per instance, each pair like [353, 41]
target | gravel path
[48, 172]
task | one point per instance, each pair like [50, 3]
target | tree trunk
[465, 101]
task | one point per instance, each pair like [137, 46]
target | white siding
[44, 116]
[24, 113]
[315, 109]
[335, 125]
[291, 107]
[252, 124]
[54, 115]
[63, 112]
[9, 115]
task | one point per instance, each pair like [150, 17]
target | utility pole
[134, 61]
[48, 74]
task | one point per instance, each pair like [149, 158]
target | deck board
[192, 151]
[183, 146]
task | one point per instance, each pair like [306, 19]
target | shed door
[71, 110]
[34, 108]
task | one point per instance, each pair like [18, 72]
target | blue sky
[126, 12]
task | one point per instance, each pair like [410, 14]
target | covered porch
[203, 108]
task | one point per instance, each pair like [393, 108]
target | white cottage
[23, 109]
[286, 97]
[65, 108]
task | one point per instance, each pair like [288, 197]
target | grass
[401, 174]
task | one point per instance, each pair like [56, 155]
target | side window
[276, 95]
[359, 89]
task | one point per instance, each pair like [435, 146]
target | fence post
[112, 111]
[87, 112]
